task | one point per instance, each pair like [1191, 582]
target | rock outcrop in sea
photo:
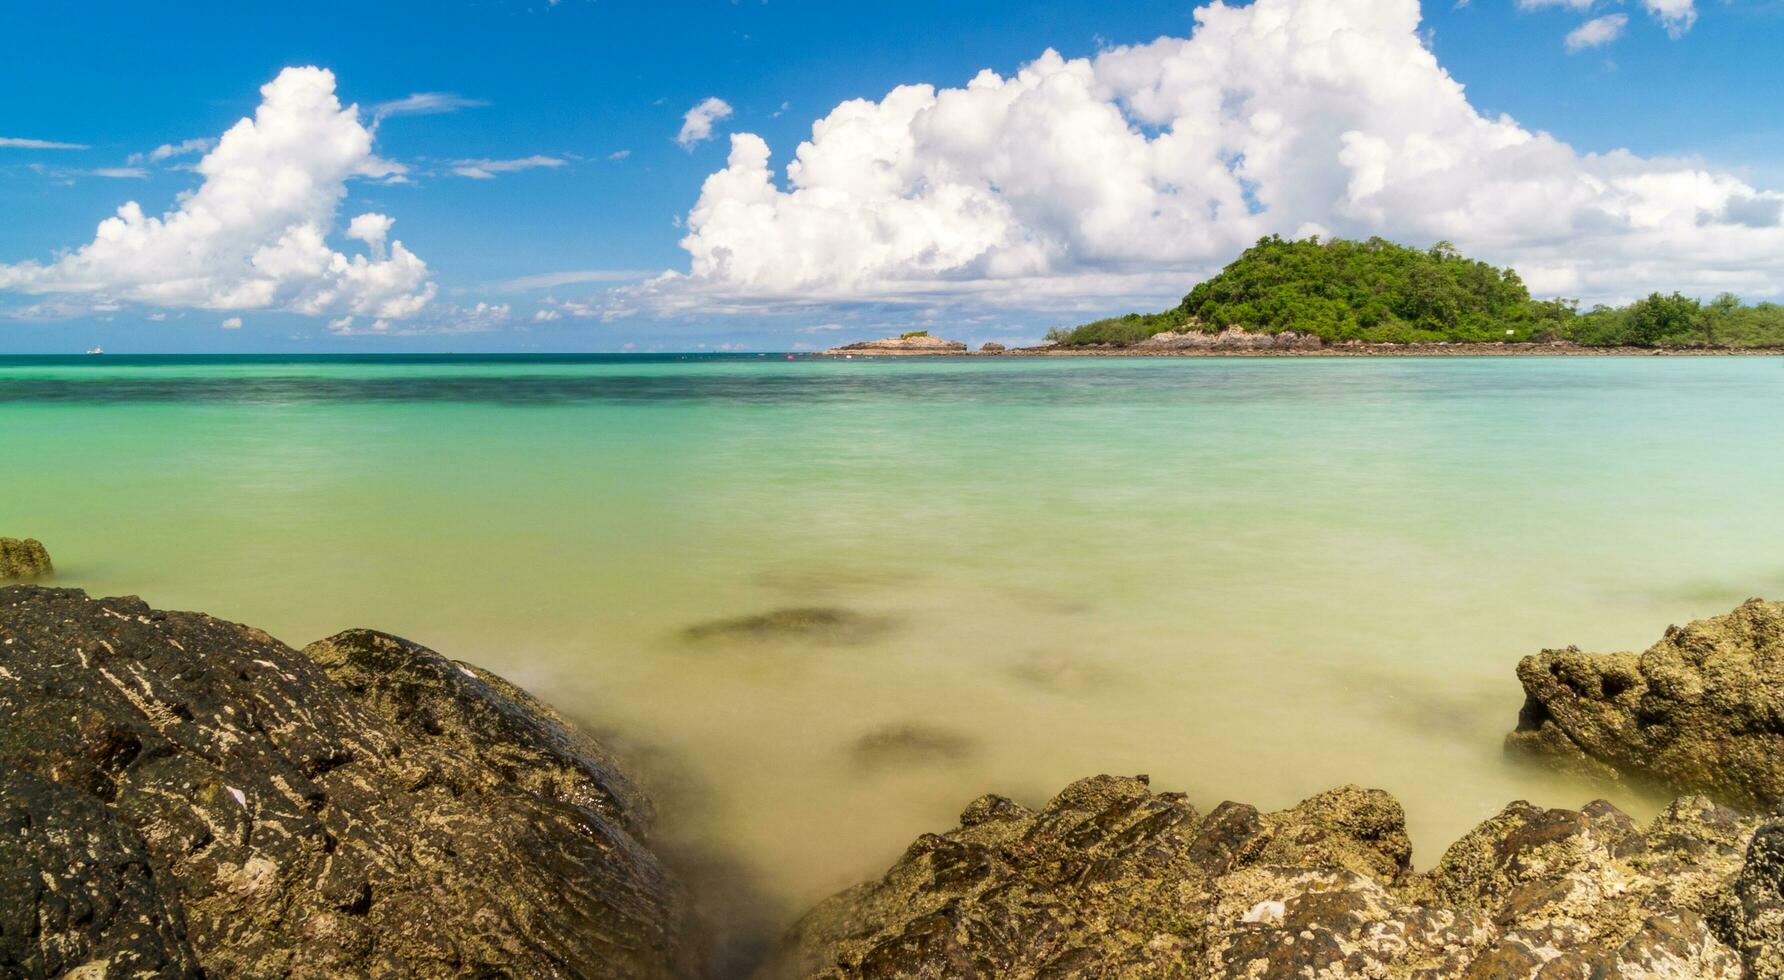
[916, 343]
[1700, 711]
[23, 560]
[188, 797]
[1112, 880]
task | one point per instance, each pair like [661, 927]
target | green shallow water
[1252, 579]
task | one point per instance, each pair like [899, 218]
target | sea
[1250, 579]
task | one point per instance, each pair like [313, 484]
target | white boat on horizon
[97, 350]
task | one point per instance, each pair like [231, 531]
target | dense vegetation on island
[1380, 292]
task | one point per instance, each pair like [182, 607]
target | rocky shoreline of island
[1240, 343]
[185, 796]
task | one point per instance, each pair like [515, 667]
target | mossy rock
[1110, 879]
[23, 560]
[1701, 711]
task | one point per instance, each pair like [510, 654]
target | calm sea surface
[1252, 579]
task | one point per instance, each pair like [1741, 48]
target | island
[916, 342]
[1336, 297]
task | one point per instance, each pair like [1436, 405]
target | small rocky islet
[189, 797]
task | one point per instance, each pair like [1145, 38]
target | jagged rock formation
[23, 560]
[1112, 880]
[920, 343]
[184, 794]
[1700, 711]
[991, 347]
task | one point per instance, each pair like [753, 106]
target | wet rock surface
[1112, 880]
[24, 559]
[1700, 711]
[187, 794]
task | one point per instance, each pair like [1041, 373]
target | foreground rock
[1700, 711]
[1112, 880]
[917, 343]
[24, 560]
[184, 794]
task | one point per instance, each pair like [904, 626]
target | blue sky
[601, 89]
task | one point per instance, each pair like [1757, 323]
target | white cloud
[696, 126]
[485, 169]
[449, 318]
[120, 173]
[232, 323]
[619, 154]
[253, 234]
[20, 143]
[423, 104]
[548, 280]
[168, 151]
[1095, 183]
[1676, 16]
[1597, 31]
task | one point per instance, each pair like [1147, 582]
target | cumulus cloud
[1597, 31]
[232, 323]
[1099, 182]
[696, 126]
[253, 234]
[486, 169]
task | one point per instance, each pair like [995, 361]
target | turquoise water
[1252, 579]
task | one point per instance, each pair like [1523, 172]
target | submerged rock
[825, 624]
[901, 746]
[1061, 673]
[1110, 879]
[187, 794]
[23, 560]
[1700, 711]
